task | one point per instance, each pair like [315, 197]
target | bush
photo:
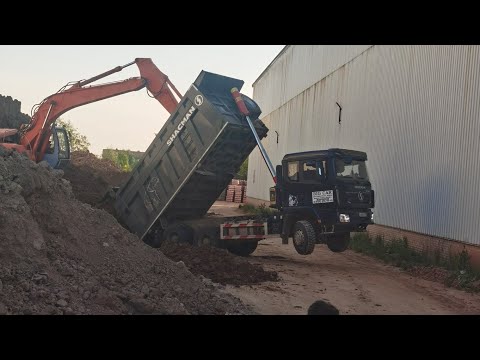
[124, 159]
[78, 142]
[398, 253]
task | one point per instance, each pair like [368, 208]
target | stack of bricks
[236, 191]
[230, 193]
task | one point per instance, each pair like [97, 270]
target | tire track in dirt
[354, 283]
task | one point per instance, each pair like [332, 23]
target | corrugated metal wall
[415, 110]
[298, 68]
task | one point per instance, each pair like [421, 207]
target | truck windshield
[357, 169]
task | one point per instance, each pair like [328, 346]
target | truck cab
[323, 196]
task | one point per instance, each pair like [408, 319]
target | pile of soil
[61, 256]
[92, 178]
[218, 264]
[10, 115]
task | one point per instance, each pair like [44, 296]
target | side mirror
[279, 173]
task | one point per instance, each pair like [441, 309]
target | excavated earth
[59, 255]
[92, 178]
[218, 264]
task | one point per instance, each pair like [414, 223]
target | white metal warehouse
[415, 111]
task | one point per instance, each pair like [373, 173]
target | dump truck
[190, 162]
[319, 196]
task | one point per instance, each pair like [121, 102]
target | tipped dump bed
[192, 159]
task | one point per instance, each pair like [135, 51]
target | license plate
[362, 214]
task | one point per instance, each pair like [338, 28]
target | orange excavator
[41, 140]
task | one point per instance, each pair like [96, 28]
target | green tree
[111, 155]
[121, 158]
[242, 173]
[78, 142]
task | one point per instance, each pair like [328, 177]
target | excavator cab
[58, 152]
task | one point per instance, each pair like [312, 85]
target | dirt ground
[226, 208]
[60, 255]
[356, 284]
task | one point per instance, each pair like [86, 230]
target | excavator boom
[35, 138]
[158, 84]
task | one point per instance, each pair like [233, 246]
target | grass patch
[261, 210]
[457, 273]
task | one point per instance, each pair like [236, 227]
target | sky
[30, 73]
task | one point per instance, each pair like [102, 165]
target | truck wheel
[304, 237]
[178, 233]
[243, 248]
[208, 238]
[154, 238]
[339, 242]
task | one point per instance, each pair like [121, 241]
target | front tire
[339, 242]
[304, 237]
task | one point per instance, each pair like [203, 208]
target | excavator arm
[34, 136]
[158, 84]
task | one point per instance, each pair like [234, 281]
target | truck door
[291, 178]
[306, 183]
[318, 192]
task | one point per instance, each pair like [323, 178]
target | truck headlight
[344, 218]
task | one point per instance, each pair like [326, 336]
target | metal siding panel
[413, 109]
[298, 68]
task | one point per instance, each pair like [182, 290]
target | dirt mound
[218, 264]
[103, 168]
[61, 256]
[10, 115]
[92, 177]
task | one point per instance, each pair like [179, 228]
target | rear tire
[179, 234]
[339, 242]
[304, 237]
[154, 238]
[206, 238]
[243, 248]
